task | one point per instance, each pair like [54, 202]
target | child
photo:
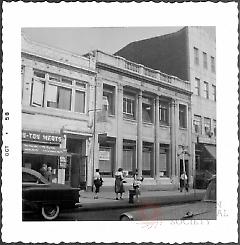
[137, 181]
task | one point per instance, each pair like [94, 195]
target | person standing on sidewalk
[183, 181]
[137, 181]
[119, 188]
[97, 182]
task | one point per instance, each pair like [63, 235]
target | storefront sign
[41, 137]
[63, 162]
[104, 155]
[44, 150]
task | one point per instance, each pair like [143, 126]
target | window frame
[197, 86]
[206, 90]
[59, 81]
[183, 124]
[214, 92]
[205, 63]
[213, 64]
[129, 99]
[196, 55]
[199, 119]
[207, 119]
[164, 107]
[107, 92]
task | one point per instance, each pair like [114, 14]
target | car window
[26, 177]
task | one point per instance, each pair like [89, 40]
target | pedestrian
[49, 174]
[97, 182]
[43, 170]
[119, 188]
[183, 182]
[137, 181]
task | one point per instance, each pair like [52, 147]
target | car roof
[33, 172]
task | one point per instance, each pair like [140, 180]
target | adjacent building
[57, 97]
[189, 54]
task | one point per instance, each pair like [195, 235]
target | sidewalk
[107, 200]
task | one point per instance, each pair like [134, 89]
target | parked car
[202, 178]
[48, 199]
[203, 210]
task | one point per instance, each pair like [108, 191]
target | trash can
[132, 193]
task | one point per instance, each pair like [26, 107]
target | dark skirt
[119, 188]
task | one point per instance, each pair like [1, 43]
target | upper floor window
[197, 122]
[129, 106]
[213, 68]
[197, 86]
[147, 110]
[54, 91]
[205, 65]
[207, 126]
[196, 56]
[164, 112]
[182, 116]
[205, 90]
[214, 92]
[109, 94]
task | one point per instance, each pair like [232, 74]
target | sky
[84, 39]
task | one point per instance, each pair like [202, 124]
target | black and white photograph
[121, 123]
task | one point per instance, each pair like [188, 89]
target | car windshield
[211, 192]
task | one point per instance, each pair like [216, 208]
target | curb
[143, 202]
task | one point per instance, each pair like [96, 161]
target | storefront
[43, 147]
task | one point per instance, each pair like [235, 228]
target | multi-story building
[148, 126]
[57, 95]
[103, 111]
[189, 54]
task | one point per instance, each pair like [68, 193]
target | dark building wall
[168, 53]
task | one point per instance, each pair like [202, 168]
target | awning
[43, 150]
[211, 150]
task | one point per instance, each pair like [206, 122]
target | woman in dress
[119, 188]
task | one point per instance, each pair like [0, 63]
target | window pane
[204, 60]
[82, 85]
[197, 86]
[37, 93]
[80, 101]
[127, 160]
[182, 116]
[64, 101]
[39, 74]
[196, 56]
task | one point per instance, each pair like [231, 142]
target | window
[59, 97]
[147, 157]
[197, 122]
[205, 60]
[105, 161]
[129, 106]
[205, 90]
[108, 93]
[22, 78]
[79, 101]
[182, 116]
[213, 69]
[147, 110]
[163, 113]
[215, 127]
[197, 86]
[129, 150]
[196, 56]
[207, 126]
[163, 161]
[54, 91]
[214, 92]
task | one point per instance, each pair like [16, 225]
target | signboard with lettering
[43, 150]
[104, 155]
[35, 136]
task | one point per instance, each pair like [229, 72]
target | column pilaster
[119, 115]
[157, 153]
[139, 134]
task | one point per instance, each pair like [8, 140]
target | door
[78, 171]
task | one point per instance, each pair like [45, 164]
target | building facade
[57, 90]
[148, 123]
[189, 54]
[102, 111]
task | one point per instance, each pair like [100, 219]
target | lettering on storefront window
[41, 137]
